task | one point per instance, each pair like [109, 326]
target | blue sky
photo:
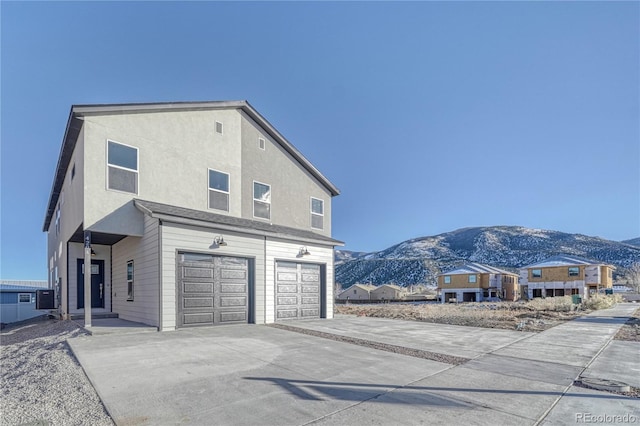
[428, 116]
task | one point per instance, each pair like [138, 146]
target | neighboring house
[475, 282]
[388, 292]
[565, 275]
[356, 292]
[18, 300]
[192, 213]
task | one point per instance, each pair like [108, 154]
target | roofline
[74, 125]
[495, 270]
[328, 242]
[582, 262]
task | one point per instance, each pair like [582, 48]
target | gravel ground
[631, 330]
[41, 382]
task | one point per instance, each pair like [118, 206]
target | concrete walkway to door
[247, 374]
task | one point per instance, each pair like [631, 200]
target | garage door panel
[287, 288]
[230, 274]
[233, 288]
[314, 278]
[287, 313]
[288, 300]
[310, 288]
[287, 276]
[190, 287]
[233, 317]
[204, 318]
[226, 301]
[310, 300]
[310, 312]
[197, 302]
[197, 272]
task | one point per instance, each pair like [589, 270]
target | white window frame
[221, 132]
[475, 278]
[447, 279]
[217, 190]
[262, 144]
[317, 214]
[137, 171]
[25, 294]
[577, 274]
[533, 273]
[253, 196]
[130, 282]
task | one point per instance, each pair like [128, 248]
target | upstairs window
[472, 278]
[536, 273]
[218, 190]
[122, 164]
[317, 213]
[218, 127]
[261, 200]
[447, 279]
[574, 271]
[261, 144]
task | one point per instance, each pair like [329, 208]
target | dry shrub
[599, 301]
[552, 304]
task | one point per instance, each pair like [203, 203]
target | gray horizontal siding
[144, 252]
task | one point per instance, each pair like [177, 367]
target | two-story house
[565, 275]
[193, 213]
[356, 292]
[475, 282]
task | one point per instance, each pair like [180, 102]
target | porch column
[87, 278]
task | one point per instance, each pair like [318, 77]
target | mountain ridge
[419, 260]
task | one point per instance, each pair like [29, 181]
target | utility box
[45, 299]
[576, 299]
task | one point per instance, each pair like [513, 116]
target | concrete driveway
[248, 375]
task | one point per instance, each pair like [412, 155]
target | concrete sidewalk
[245, 375]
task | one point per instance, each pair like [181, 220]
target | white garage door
[298, 287]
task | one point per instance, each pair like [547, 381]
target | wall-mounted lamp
[93, 253]
[303, 251]
[218, 242]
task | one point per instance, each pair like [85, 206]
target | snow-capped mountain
[509, 247]
[633, 242]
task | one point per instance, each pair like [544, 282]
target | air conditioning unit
[45, 299]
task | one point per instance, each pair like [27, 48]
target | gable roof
[74, 125]
[476, 268]
[365, 287]
[200, 218]
[563, 260]
[392, 286]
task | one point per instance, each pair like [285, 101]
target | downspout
[111, 278]
[160, 275]
[264, 277]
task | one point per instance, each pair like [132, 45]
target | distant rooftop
[563, 260]
[470, 268]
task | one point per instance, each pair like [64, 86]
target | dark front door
[97, 284]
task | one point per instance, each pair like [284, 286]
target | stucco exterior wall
[165, 173]
[291, 185]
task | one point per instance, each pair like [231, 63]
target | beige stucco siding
[277, 249]
[146, 277]
[183, 238]
[291, 184]
[161, 139]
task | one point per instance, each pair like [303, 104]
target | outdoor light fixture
[218, 242]
[93, 253]
[303, 251]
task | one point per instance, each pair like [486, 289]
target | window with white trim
[122, 165]
[473, 278]
[536, 273]
[24, 298]
[261, 200]
[317, 213]
[218, 190]
[58, 220]
[574, 271]
[447, 279]
[130, 281]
